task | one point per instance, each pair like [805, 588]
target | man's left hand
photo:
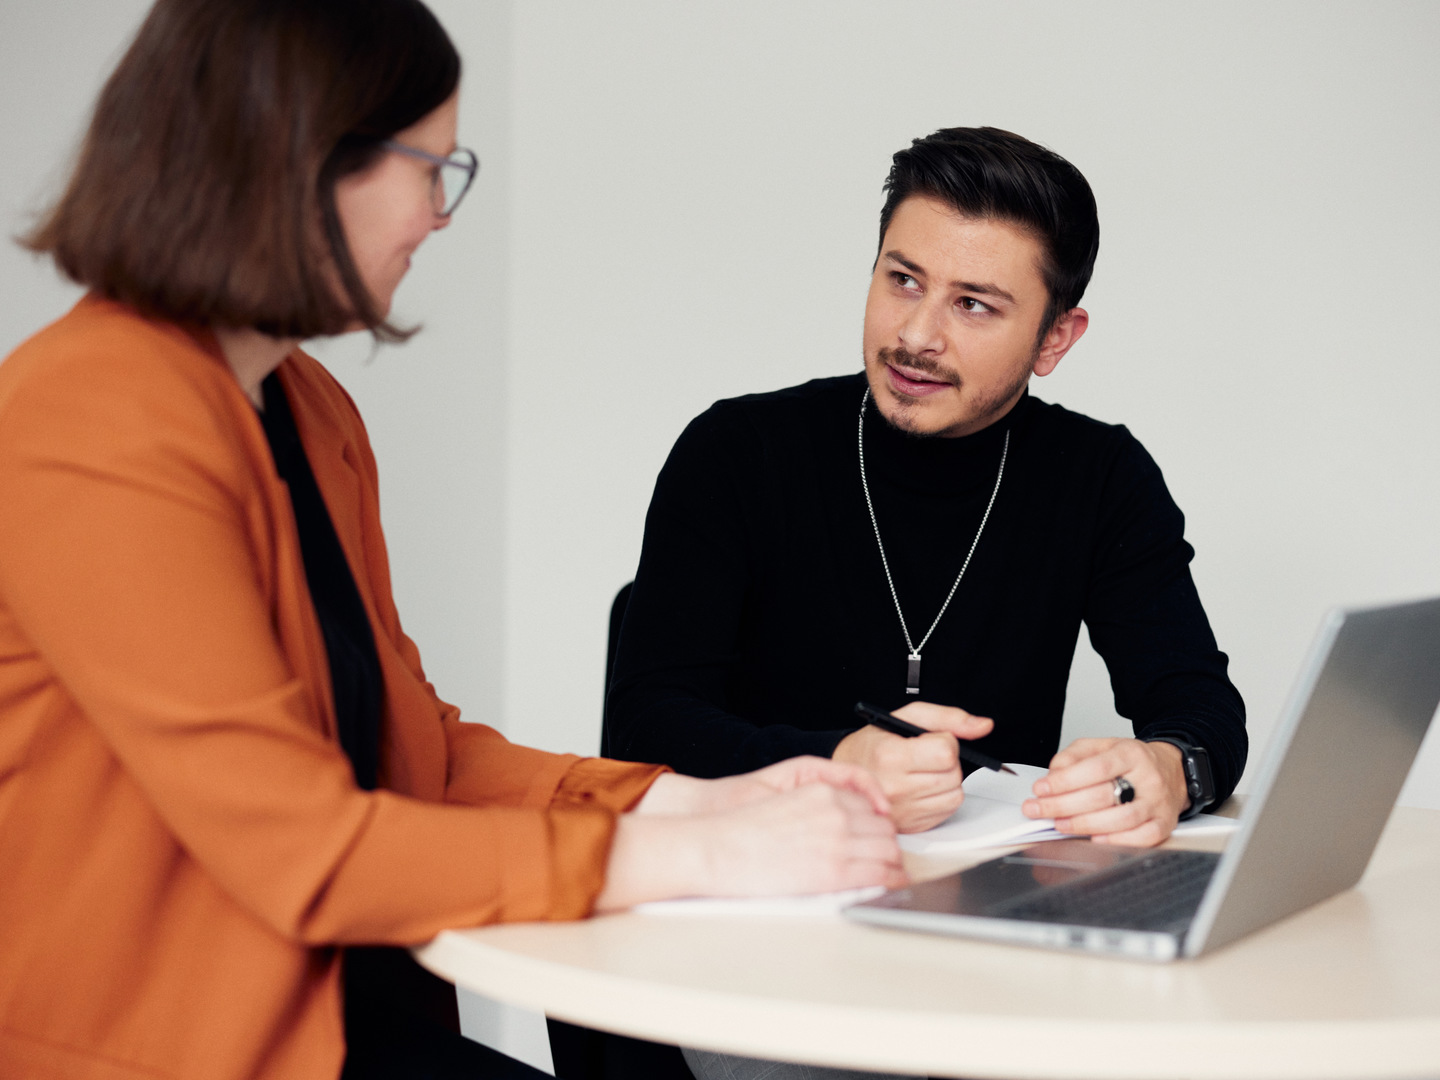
[1079, 791]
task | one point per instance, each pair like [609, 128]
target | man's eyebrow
[984, 287]
[895, 256]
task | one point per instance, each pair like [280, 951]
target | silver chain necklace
[912, 666]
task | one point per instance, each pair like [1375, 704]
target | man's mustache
[922, 364]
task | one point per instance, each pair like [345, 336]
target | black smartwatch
[1199, 780]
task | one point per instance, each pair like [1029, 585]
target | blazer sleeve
[129, 562]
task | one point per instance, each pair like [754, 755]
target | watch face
[1202, 783]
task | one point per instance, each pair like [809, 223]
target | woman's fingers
[816, 838]
[798, 771]
[925, 812]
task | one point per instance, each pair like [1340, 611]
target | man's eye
[969, 303]
[905, 281]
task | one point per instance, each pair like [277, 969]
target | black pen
[882, 719]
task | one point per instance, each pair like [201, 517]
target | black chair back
[617, 620]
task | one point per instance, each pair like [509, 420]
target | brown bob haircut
[204, 189]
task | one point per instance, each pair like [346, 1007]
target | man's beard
[986, 409]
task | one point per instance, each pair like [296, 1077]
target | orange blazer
[182, 844]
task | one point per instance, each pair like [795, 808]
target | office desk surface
[1349, 988]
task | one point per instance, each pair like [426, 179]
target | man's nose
[921, 332]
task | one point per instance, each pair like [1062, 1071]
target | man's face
[954, 308]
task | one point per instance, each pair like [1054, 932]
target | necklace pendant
[912, 674]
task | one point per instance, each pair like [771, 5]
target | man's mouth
[911, 381]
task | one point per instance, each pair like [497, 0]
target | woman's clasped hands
[806, 825]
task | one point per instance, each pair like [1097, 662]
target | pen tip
[1006, 768]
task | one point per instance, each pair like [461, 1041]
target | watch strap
[1199, 780]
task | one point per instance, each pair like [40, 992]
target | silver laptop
[1335, 765]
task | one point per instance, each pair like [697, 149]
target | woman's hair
[205, 187]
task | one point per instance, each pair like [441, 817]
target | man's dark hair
[205, 187]
[989, 173]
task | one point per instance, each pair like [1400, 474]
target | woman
[222, 771]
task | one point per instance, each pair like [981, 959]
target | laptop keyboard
[1157, 891]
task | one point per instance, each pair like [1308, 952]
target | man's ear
[1067, 331]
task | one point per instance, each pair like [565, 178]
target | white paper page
[990, 816]
[989, 784]
[1207, 825]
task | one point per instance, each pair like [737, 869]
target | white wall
[678, 203]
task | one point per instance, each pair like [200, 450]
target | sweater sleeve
[1145, 619]
[129, 562]
[679, 641]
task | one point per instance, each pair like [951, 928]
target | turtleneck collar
[933, 463]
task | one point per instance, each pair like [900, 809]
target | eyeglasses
[450, 180]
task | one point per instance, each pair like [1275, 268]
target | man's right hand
[920, 776]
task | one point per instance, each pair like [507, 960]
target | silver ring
[1124, 790]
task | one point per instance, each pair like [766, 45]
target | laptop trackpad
[1070, 882]
[1001, 881]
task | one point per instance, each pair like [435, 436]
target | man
[928, 535]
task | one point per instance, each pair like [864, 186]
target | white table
[1349, 988]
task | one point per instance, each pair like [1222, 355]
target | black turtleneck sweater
[761, 614]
